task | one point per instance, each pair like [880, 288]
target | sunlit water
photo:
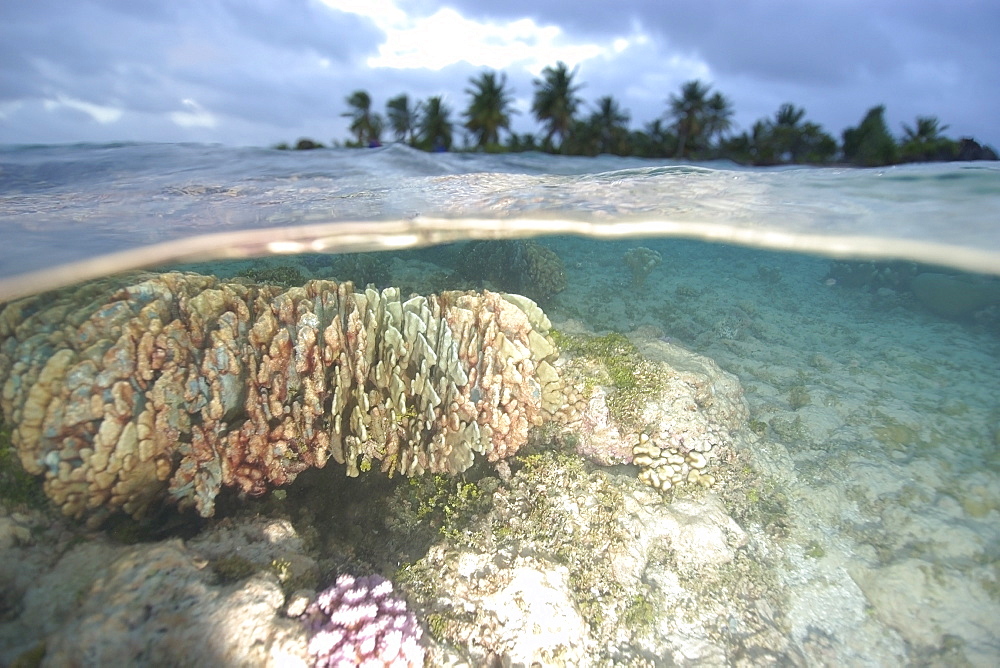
[881, 415]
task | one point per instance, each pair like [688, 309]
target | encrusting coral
[125, 391]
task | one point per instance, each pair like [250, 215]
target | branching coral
[359, 622]
[175, 385]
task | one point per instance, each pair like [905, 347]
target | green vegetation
[435, 126]
[403, 118]
[17, 486]
[633, 379]
[555, 103]
[798, 397]
[814, 550]
[489, 111]
[283, 275]
[441, 501]
[366, 125]
[233, 568]
[924, 142]
[696, 125]
[870, 144]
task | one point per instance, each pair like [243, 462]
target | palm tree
[925, 130]
[435, 125]
[688, 111]
[402, 117]
[489, 110]
[611, 124]
[788, 115]
[364, 122]
[718, 117]
[815, 146]
[583, 138]
[784, 135]
[654, 140]
[924, 141]
[555, 101]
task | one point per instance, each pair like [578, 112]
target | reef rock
[163, 603]
[175, 385]
[955, 296]
[524, 267]
[572, 566]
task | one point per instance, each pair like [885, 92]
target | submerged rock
[957, 297]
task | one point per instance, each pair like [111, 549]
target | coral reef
[873, 275]
[127, 391]
[665, 467]
[358, 622]
[283, 275]
[362, 268]
[641, 262]
[575, 566]
[157, 603]
[955, 296]
[666, 410]
[524, 267]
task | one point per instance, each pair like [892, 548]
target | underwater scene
[388, 408]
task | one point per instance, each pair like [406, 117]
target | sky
[259, 72]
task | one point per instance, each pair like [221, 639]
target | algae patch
[633, 379]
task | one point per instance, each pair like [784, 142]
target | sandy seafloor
[875, 433]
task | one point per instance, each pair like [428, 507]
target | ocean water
[858, 309]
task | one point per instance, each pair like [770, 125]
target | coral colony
[131, 391]
[358, 622]
[175, 385]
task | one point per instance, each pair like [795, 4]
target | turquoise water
[872, 409]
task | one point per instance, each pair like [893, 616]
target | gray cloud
[272, 70]
[835, 58]
[255, 61]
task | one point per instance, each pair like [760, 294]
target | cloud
[258, 61]
[259, 71]
[835, 58]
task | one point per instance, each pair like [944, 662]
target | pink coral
[358, 622]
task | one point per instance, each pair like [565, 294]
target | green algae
[641, 614]
[284, 275]
[31, 658]
[17, 486]
[814, 550]
[895, 435]
[530, 520]
[445, 503]
[798, 397]
[632, 378]
[233, 568]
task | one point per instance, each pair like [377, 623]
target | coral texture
[178, 384]
[358, 622]
[641, 262]
[155, 605]
[524, 267]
